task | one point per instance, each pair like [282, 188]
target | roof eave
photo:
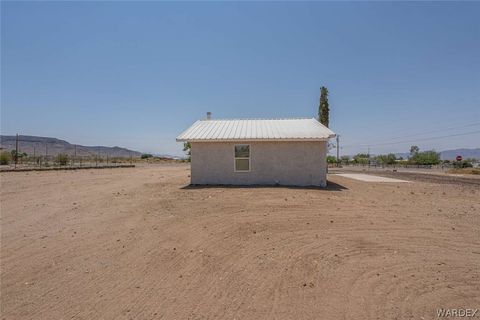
[255, 140]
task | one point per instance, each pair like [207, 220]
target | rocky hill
[53, 146]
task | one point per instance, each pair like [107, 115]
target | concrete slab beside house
[258, 152]
[369, 178]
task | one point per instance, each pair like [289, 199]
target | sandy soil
[138, 244]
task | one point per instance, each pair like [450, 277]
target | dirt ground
[138, 243]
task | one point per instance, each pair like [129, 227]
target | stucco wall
[284, 163]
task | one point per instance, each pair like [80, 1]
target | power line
[452, 124]
[421, 139]
[438, 130]
[422, 133]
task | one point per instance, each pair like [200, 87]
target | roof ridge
[236, 119]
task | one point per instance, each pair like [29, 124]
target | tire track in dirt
[156, 250]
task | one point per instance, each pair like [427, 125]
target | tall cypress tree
[323, 109]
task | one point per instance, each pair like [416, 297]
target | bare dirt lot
[136, 243]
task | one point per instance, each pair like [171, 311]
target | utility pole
[75, 154]
[34, 158]
[368, 157]
[338, 149]
[46, 153]
[16, 151]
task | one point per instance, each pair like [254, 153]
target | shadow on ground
[331, 186]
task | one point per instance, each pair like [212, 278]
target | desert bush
[331, 159]
[361, 158]
[5, 158]
[345, 159]
[425, 158]
[386, 158]
[62, 159]
[463, 164]
[187, 147]
[146, 156]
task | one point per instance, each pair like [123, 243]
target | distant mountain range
[451, 154]
[53, 146]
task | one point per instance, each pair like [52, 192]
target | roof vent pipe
[209, 115]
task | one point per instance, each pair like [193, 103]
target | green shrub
[62, 159]
[146, 156]
[425, 158]
[361, 158]
[5, 158]
[187, 147]
[345, 159]
[386, 158]
[331, 159]
[462, 164]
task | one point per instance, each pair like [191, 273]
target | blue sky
[136, 74]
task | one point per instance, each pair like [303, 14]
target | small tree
[187, 147]
[426, 158]
[323, 108]
[414, 150]
[146, 156]
[361, 158]
[62, 159]
[5, 158]
[345, 159]
[14, 155]
[331, 159]
[387, 158]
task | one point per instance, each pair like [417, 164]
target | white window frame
[242, 158]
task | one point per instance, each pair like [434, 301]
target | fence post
[16, 151]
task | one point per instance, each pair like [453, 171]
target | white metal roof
[256, 129]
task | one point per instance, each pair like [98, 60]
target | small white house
[258, 151]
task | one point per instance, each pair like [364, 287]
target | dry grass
[464, 171]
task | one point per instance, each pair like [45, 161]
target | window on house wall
[242, 157]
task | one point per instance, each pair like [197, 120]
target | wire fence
[437, 167]
[46, 155]
[403, 166]
[24, 162]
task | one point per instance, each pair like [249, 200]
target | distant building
[258, 151]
